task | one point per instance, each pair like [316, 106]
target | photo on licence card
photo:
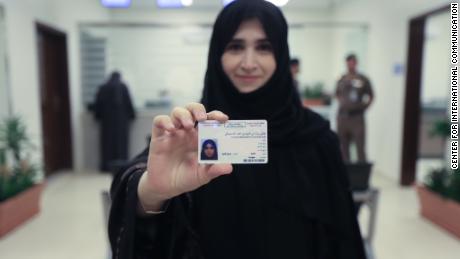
[209, 149]
[234, 142]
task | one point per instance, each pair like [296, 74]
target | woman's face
[248, 59]
[209, 150]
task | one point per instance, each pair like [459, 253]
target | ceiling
[216, 4]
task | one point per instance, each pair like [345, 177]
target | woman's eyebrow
[236, 40]
[264, 40]
[240, 40]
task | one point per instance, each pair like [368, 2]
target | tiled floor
[71, 224]
[401, 233]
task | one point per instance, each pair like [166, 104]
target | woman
[208, 150]
[296, 206]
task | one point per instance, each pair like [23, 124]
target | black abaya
[114, 110]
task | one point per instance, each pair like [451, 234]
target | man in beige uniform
[354, 93]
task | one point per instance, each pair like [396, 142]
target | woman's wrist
[149, 202]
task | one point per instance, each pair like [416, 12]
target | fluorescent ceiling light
[275, 2]
[116, 3]
[173, 3]
[279, 2]
[187, 2]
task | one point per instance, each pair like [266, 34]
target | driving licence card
[234, 142]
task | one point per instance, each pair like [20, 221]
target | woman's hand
[172, 167]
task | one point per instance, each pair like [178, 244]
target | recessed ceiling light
[116, 3]
[278, 2]
[187, 2]
[275, 2]
[174, 3]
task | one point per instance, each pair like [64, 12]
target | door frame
[413, 95]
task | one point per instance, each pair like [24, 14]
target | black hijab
[286, 208]
[277, 101]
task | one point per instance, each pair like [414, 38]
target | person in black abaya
[114, 110]
[298, 205]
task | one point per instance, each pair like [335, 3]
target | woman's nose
[249, 61]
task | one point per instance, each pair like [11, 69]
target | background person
[114, 111]
[354, 94]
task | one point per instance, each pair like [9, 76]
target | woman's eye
[234, 47]
[265, 47]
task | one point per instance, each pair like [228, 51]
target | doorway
[54, 98]
[413, 96]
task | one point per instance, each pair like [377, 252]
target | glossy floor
[71, 224]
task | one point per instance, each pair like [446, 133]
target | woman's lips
[247, 79]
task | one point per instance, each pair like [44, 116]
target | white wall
[160, 58]
[436, 62]
[322, 49]
[4, 101]
[23, 70]
[312, 46]
[388, 38]
[23, 64]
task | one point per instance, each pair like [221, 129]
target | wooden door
[54, 95]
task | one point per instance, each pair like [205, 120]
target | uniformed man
[354, 94]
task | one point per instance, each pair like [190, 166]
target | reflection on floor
[71, 224]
